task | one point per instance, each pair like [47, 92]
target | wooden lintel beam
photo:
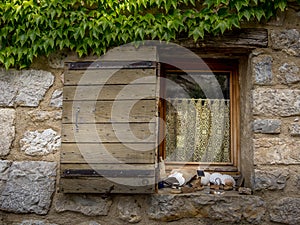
[240, 38]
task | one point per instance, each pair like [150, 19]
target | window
[200, 107]
[111, 132]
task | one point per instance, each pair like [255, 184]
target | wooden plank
[102, 153]
[103, 185]
[129, 51]
[107, 173]
[109, 111]
[242, 38]
[99, 64]
[109, 166]
[110, 76]
[123, 133]
[110, 92]
[206, 167]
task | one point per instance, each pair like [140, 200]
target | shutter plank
[127, 133]
[109, 76]
[103, 185]
[110, 92]
[102, 166]
[98, 153]
[107, 111]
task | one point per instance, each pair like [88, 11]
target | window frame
[215, 65]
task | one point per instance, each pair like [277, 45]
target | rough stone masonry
[30, 118]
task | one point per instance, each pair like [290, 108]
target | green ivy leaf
[259, 13]
[246, 14]
[239, 4]
[10, 61]
[29, 28]
[196, 33]
[222, 25]
[235, 21]
[2, 58]
[281, 5]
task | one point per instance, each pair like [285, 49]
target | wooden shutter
[102, 106]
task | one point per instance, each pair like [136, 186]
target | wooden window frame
[215, 65]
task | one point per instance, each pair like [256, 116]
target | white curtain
[198, 130]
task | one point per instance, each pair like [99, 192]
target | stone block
[35, 222]
[294, 129]
[29, 187]
[270, 179]
[225, 208]
[90, 205]
[40, 143]
[7, 130]
[4, 168]
[289, 73]
[267, 126]
[278, 102]
[262, 69]
[41, 116]
[286, 210]
[276, 151]
[57, 99]
[286, 40]
[24, 88]
[130, 210]
[8, 87]
[90, 223]
[297, 184]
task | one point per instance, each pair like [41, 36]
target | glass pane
[198, 85]
[198, 117]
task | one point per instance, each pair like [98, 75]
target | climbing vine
[38, 27]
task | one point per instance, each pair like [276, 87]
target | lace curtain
[198, 130]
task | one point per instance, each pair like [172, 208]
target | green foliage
[38, 27]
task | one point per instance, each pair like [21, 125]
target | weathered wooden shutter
[109, 131]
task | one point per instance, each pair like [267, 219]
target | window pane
[198, 118]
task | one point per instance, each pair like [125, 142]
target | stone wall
[30, 118]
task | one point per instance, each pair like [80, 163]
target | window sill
[206, 191]
[230, 207]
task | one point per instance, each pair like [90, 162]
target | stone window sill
[230, 207]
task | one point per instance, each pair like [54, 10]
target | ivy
[38, 27]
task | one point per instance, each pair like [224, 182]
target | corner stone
[289, 73]
[286, 40]
[276, 151]
[90, 205]
[270, 179]
[295, 129]
[268, 126]
[29, 187]
[279, 102]
[7, 130]
[262, 69]
[286, 210]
